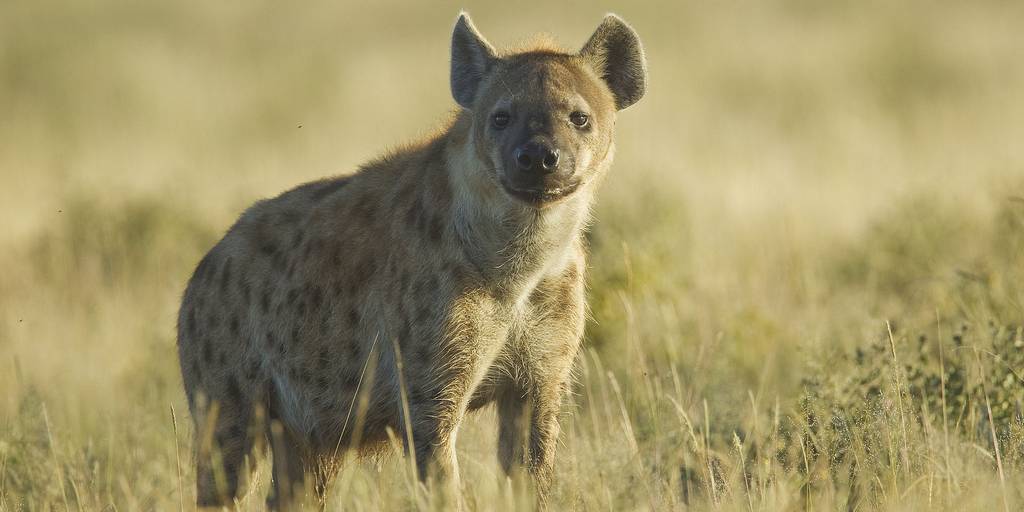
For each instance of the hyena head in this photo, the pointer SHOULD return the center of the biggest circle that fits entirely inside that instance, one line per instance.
(543, 119)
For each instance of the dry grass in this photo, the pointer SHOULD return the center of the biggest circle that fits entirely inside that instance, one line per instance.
(800, 176)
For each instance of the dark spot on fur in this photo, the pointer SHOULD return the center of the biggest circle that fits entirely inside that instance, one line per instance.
(364, 208)
(423, 313)
(233, 325)
(353, 317)
(190, 324)
(290, 217)
(225, 276)
(235, 431)
(204, 270)
(457, 273)
(404, 194)
(417, 395)
(324, 403)
(335, 258)
(567, 349)
(325, 322)
(251, 370)
(328, 188)
(403, 282)
(316, 297)
(362, 274)
(436, 228)
(313, 246)
(573, 272)
(298, 373)
(278, 262)
(423, 352)
(234, 392)
(265, 301)
(267, 248)
(566, 293)
(412, 214)
(420, 288)
(405, 335)
(443, 192)
(421, 222)
(246, 290)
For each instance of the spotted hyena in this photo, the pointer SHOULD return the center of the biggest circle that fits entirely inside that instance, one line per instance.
(437, 279)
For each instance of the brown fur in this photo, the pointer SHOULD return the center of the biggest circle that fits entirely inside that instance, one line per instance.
(290, 329)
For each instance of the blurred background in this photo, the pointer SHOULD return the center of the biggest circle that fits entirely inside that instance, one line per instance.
(798, 174)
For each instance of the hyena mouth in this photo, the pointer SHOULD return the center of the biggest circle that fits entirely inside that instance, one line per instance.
(541, 198)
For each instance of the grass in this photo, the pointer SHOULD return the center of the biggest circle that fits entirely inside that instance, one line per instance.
(807, 272)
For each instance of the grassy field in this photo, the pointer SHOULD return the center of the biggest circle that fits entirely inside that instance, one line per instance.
(807, 281)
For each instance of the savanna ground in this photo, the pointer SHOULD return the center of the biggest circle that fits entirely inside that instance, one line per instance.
(807, 280)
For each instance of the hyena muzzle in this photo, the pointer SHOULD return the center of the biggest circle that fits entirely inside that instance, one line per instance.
(438, 279)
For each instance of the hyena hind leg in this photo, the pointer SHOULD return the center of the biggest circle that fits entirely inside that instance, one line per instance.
(225, 438)
(513, 424)
(293, 465)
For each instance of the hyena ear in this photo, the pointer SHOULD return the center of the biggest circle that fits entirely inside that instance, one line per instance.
(615, 52)
(472, 58)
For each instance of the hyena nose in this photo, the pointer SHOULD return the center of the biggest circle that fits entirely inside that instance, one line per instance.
(537, 158)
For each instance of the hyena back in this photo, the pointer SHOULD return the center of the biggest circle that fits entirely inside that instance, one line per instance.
(441, 278)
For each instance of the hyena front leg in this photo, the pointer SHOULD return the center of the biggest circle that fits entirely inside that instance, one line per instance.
(546, 401)
(528, 432)
(433, 432)
(436, 409)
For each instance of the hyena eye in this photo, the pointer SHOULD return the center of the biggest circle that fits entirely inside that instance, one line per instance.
(579, 119)
(500, 119)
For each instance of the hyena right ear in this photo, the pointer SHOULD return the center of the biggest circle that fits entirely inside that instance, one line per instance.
(614, 50)
(472, 58)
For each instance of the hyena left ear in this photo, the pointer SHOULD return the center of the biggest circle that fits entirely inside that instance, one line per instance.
(615, 52)
(472, 58)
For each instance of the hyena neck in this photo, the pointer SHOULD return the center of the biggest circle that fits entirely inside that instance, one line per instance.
(511, 244)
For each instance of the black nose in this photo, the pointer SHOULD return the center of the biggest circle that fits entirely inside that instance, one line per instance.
(533, 157)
